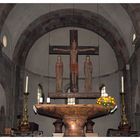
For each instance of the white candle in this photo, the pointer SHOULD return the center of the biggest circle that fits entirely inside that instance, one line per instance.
(26, 85)
(48, 100)
(122, 84)
(41, 100)
(73, 101)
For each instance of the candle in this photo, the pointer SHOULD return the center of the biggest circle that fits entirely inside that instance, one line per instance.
(48, 100)
(26, 85)
(122, 84)
(41, 100)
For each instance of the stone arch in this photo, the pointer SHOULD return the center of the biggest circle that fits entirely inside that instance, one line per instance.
(4, 11)
(59, 19)
(70, 18)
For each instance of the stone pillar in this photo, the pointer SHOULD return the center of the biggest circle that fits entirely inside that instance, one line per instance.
(0, 49)
(2, 119)
(135, 80)
(127, 92)
(136, 98)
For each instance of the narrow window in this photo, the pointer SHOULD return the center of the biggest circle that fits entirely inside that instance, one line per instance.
(134, 37)
(4, 40)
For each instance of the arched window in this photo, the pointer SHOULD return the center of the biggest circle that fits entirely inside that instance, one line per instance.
(133, 37)
(4, 40)
(103, 91)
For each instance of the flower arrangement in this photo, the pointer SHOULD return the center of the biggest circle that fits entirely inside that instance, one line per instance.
(106, 101)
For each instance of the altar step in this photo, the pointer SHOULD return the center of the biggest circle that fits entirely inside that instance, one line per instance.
(86, 134)
(91, 135)
(58, 134)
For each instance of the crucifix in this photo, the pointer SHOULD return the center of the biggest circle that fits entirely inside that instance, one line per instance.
(74, 50)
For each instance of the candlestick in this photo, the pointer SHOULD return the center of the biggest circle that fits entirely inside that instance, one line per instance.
(124, 124)
(122, 84)
(24, 125)
(26, 85)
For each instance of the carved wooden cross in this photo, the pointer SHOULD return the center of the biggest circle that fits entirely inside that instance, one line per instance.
(74, 50)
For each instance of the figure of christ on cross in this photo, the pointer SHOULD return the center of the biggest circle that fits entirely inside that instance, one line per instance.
(74, 50)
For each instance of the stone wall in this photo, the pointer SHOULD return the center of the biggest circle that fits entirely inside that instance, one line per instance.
(7, 82)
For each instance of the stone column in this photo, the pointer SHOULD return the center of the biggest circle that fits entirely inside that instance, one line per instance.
(136, 98)
(134, 81)
(127, 92)
(0, 49)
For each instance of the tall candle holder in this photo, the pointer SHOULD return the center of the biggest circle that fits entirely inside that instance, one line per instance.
(24, 126)
(124, 124)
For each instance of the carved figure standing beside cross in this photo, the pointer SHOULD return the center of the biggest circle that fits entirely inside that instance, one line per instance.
(73, 51)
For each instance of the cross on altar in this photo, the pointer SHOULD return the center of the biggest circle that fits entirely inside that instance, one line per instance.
(74, 50)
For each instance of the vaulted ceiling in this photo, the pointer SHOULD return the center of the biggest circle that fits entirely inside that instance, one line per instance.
(133, 11)
(83, 18)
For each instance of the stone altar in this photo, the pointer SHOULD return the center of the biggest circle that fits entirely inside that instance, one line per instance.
(73, 116)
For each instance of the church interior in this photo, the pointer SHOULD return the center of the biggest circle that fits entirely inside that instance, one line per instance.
(69, 70)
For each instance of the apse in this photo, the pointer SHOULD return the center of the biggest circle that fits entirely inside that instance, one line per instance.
(40, 67)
